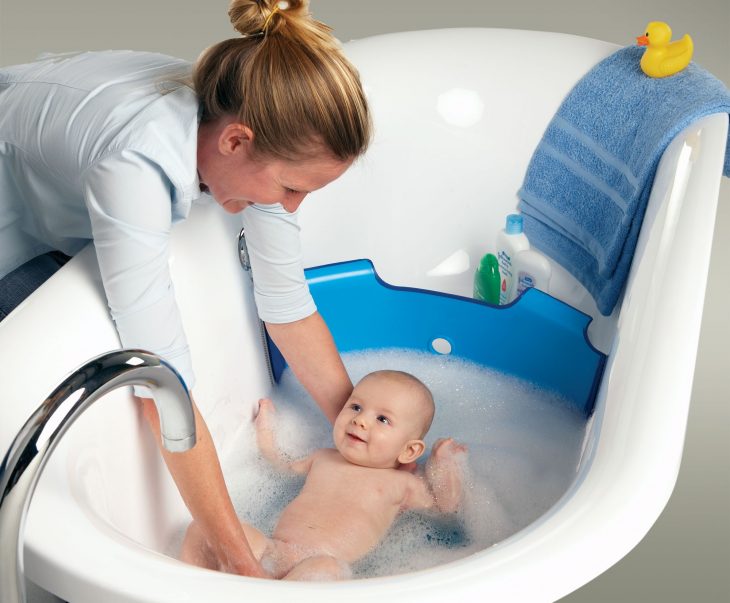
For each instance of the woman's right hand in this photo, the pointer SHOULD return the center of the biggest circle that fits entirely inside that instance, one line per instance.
(196, 550)
(248, 568)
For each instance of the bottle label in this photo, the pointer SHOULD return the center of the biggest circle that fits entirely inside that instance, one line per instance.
(505, 269)
(524, 281)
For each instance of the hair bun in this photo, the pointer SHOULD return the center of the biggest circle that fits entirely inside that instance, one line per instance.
(252, 17)
(287, 80)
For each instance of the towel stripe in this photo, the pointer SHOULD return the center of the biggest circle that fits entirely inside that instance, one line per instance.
(585, 175)
(542, 211)
(564, 125)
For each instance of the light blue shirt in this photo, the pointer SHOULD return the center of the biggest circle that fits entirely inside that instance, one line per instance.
(103, 146)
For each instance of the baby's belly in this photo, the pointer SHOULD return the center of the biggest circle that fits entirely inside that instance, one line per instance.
(347, 534)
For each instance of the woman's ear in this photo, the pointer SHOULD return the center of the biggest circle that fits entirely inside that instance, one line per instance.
(411, 451)
(234, 137)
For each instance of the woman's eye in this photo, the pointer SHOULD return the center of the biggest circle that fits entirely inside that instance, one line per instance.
(384, 420)
(290, 191)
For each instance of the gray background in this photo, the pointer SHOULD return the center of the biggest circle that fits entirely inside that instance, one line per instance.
(686, 555)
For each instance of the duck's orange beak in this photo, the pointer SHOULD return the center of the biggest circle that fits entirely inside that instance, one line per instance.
(642, 40)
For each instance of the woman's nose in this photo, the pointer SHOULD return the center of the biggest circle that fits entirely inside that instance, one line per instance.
(293, 201)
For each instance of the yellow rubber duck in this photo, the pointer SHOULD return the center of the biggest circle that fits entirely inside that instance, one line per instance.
(662, 57)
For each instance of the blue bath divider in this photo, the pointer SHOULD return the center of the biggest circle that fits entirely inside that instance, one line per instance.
(538, 338)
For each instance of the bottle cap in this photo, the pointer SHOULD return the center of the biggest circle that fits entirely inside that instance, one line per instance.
(514, 224)
(489, 264)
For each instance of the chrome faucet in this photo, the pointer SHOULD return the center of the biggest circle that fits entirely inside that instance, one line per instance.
(29, 452)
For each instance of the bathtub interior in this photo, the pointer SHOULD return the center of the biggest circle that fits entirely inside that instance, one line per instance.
(424, 204)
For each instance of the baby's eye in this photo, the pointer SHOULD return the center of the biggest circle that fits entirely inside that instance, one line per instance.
(356, 407)
(384, 420)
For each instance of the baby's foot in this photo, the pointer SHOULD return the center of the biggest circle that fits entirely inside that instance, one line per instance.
(265, 415)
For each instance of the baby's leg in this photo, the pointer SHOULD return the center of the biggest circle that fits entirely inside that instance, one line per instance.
(320, 568)
(197, 551)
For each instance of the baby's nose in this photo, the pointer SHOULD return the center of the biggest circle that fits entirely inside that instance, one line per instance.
(360, 421)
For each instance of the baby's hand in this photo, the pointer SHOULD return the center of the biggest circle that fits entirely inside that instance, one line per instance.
(446, 450)
(265, 416)
(266, 440)
(445, 473)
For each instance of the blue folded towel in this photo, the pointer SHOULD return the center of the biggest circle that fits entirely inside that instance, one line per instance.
(588, 182)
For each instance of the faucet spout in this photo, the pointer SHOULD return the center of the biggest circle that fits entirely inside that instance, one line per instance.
(27, 456)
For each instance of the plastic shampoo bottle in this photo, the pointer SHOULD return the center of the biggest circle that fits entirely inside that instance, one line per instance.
(510, 241)
(487, 280)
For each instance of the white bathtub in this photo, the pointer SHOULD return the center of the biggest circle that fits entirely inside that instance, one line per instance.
(458, 114)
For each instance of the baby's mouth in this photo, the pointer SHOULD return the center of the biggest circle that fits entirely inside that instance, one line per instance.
(355, 438)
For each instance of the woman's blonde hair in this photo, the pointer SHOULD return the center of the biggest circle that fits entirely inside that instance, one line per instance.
(287, 79)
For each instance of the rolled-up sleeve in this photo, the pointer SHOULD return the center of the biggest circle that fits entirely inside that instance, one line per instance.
(129, 204)
(274, 249)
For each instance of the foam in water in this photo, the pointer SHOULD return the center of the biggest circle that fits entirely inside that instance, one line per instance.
(524, 447)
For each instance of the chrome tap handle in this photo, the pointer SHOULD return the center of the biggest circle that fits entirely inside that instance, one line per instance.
(243, 256)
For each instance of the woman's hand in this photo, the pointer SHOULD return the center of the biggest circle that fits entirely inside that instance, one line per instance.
(196, 550)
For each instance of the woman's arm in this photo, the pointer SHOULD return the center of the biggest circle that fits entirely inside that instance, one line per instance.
(309, 349)
(129, 207)
(128, 200)
(286, 306)
(198, 476)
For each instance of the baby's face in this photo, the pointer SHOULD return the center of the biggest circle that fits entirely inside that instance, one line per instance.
(376, 424)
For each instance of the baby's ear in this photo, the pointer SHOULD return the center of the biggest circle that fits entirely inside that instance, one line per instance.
(411, 451)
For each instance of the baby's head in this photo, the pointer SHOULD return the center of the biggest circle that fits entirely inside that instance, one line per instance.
(384, 421)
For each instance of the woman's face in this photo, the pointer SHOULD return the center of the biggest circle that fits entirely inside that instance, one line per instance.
(228, 170)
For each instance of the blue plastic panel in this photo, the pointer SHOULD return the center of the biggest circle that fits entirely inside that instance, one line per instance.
(538, 338)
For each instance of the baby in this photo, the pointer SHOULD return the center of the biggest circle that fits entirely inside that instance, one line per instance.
(353, 493)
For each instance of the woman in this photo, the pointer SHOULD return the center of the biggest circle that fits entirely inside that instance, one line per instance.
(114, 147)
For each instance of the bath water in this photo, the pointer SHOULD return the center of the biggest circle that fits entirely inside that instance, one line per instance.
(524, 447)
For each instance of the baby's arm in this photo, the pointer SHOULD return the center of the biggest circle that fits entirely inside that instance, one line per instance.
(267, 442)
(440, 487)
